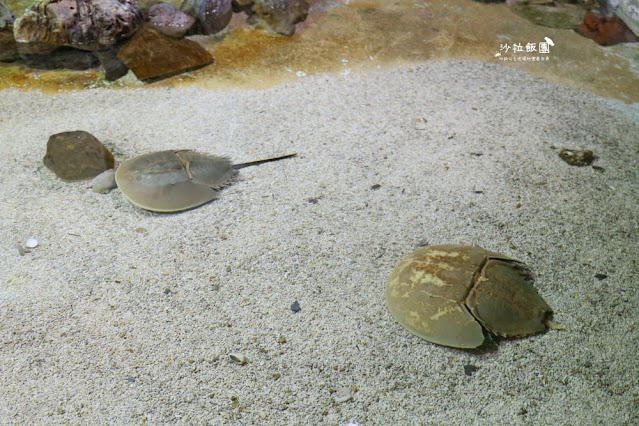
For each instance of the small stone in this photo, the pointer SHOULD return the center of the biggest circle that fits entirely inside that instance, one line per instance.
(235, 402)
(238, 358)
(469, 369)
(78, 155)
(31, 243)
(601, 276)
(342, 395)
(376, 186)
(165, 18)
(420, 123)
(295, 307)
(104, 182)
(577, 157)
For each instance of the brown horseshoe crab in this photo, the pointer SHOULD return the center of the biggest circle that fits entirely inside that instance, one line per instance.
(176, 180)
(446, 293)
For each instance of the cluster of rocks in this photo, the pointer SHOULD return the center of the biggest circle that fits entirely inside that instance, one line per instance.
(122, 35)
(607, 22)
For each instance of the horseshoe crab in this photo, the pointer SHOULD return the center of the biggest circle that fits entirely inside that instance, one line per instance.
(176, 180)
(446, 293)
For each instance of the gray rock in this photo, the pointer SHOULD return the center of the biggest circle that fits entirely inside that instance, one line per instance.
(212, 15)
(170, 21)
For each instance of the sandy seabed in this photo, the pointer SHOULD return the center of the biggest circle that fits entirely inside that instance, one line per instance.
(122, 316)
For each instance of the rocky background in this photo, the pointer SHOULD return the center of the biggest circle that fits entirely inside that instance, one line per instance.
(147, 37)
(152, 38)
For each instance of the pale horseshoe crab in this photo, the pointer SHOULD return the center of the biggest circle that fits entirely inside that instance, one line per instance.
(176, 180)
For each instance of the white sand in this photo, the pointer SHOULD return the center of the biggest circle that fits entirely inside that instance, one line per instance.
(88, 334)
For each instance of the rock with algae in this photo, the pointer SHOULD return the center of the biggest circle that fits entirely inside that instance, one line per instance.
(81, 24)
(279, 16)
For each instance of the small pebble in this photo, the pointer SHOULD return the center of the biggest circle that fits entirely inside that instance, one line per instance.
(577, 157)
(295, 307)
(104, 182)
(343, 395)
(31, 243)
(469, 369)
(239, 358)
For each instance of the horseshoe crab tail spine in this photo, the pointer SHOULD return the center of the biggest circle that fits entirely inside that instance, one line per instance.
(266, 160)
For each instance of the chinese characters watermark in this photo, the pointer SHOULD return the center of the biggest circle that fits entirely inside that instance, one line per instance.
(525, 51)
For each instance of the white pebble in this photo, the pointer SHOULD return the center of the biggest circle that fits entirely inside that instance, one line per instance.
(104, 182)
(31, 243)
(343, 395)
